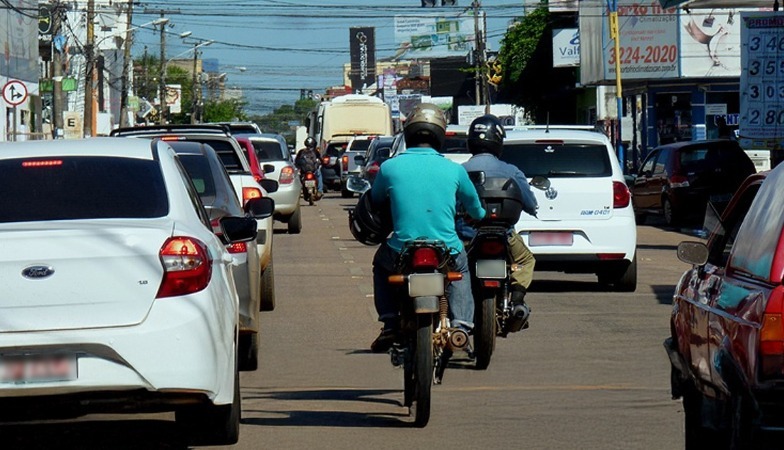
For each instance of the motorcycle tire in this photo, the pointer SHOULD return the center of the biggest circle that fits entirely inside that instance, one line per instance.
(419, 372)
(484, 332)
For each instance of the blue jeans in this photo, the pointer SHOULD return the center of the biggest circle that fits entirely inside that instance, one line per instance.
(461, 301)
(319, 182)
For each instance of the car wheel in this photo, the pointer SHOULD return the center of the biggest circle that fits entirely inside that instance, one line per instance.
(213, 424)
(621, 280)
(294, 223)
(671, 218)
(268, 289)
(249, 352)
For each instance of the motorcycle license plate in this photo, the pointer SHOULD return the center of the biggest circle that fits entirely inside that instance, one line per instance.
(491, 268)
(37, 368)
(425, 284)
(310, 183)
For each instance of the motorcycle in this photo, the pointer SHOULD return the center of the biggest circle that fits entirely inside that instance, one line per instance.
(490, 264)
(427, 339)
(309, 186)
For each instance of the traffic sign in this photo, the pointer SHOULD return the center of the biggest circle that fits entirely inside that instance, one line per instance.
(14, 92)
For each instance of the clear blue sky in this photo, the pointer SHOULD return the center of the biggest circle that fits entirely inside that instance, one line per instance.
(286, 45)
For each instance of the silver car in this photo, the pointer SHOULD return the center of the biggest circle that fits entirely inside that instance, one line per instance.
(272, 149)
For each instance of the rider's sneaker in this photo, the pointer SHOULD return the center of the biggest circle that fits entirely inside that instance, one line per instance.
(384, 341)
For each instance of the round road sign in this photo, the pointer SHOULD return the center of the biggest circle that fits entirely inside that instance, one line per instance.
(14, 92)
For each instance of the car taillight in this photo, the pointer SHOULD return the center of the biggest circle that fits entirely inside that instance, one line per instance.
(187, 267)
(424, 258)
(677, 181)
(286, 175)
(237, 247)
(249, 193)
(621, 195)
(344, 162)
(43, 163)
(492, 248)
(373, 168)
(771, 345)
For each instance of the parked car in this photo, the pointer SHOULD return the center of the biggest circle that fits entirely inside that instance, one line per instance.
(379, 151)
(245, 186)
(585, 220)
(271, 149)
(677, 180)
(726, 343)
(216, 192)
(357, 145)
(118, 296)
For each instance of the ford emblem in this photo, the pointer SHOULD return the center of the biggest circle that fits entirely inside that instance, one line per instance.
(37, 272)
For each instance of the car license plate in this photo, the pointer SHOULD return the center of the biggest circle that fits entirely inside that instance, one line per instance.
(491, 268)
(542, 238)
(425, 284)
(310, 183)
(37, 368)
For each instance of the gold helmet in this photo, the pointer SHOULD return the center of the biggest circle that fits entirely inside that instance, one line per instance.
(425, 124)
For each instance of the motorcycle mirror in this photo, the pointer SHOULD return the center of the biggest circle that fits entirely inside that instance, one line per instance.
(357, 184)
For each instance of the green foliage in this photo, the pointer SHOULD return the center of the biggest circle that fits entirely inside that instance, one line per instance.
(224, 111)
(285, 118)
(520, 43)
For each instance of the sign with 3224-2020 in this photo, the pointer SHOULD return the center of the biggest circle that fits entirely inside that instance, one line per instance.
(762, 82)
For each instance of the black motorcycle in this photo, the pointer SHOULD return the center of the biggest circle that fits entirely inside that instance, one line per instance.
(309, 186)
(427, 338)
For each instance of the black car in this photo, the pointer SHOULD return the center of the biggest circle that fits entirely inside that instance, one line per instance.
(677, 180)
(379, 151)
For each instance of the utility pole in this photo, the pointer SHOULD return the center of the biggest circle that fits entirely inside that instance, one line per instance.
(162, 78)
(195, 87)
(89, 93)
(479, 52)
(57, 75)
(127, 67)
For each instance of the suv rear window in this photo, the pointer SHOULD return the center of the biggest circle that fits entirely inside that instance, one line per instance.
(360, 145)
(268, 151)
(227, 153)
(559, 160)
(81, 187)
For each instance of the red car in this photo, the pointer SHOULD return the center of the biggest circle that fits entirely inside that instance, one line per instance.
(727, 327)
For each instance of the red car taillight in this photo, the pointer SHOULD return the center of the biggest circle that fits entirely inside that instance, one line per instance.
(344, 162)
(424, 258)
(249, 193)
(286, 175)
(677, 181)
(621, 195)
(771, 346)
(187, 267)
(373, 168)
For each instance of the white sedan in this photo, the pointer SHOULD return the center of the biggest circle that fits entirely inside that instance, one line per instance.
(116, 292)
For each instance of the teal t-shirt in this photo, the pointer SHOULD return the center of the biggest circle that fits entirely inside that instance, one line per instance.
(423, 187)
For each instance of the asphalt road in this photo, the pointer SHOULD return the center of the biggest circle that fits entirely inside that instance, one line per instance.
(589, 373)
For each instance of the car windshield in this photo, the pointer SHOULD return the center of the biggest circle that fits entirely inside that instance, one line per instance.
(268, 151)
(559, 160)
(81, 187)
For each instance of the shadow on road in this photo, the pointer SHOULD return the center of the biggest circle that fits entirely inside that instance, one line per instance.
(94, 435)
(663, 293)
(565, 286)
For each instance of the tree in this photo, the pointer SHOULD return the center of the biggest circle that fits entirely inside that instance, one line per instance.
(284, 118)
(230, 110)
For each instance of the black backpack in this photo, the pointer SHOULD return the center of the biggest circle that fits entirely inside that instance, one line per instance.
(308, 161)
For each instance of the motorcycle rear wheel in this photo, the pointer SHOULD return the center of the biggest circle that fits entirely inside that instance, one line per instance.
(484, 332)
(418, 373)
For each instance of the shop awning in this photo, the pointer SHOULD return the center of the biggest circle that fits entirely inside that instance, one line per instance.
(701, 4)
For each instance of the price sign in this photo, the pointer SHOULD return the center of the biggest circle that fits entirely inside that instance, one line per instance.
(762, 80)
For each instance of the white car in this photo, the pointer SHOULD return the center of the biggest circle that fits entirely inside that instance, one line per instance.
(116, 293)
(455, 147)
(585, 219)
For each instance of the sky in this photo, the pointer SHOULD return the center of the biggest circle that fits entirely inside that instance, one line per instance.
(273, 48)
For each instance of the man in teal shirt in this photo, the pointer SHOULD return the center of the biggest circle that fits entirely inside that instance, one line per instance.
(422, 188)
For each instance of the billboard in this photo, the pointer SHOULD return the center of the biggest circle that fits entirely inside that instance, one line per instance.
(433, 36)
(362, 44)
(566, 47)
(710, 43)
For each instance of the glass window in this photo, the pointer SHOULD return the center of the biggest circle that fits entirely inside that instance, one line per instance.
(559, 160)
(198, 168)
(455, 144)
(81, 187)
(647, 166)
(227, 153)
(268, 151)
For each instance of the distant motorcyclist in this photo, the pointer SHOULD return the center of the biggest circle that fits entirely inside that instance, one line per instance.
(308, 159)
(486, 143)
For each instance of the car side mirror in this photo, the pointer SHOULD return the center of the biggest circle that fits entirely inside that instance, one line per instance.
(695, 253)
(260, 207)
(269, 185)
(268, 168)
(239, 229)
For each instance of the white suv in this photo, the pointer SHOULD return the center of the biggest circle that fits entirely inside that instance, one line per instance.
(585, 220)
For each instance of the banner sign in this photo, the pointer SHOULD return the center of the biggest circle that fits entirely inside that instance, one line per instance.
(566, 47)
(362, 43)
(433, 36)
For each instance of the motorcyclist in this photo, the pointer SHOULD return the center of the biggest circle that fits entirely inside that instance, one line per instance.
(422, 188)
(308, 159)
(486, 143)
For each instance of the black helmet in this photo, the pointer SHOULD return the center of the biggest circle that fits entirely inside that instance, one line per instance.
(486, 135)
(369, 224)
(310, 142)
(425, 124)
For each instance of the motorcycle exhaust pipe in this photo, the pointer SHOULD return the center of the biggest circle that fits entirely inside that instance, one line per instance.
(458, 340)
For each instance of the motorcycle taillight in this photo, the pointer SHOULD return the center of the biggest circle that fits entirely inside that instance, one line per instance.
(492, 247)
(309, 176)
(424, 258)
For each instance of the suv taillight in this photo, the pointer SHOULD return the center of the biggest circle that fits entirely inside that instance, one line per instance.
(344, 161)
(771, 345)
(621, 195)
(187, 267)
(424, 258)
(677, 181)
(286, 175)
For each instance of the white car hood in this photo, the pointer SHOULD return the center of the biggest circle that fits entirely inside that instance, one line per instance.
(100, 274)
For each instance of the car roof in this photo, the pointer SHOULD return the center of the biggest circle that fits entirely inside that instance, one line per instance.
(703, 143)
(571, 135)
(98, 146)
(171, 129)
